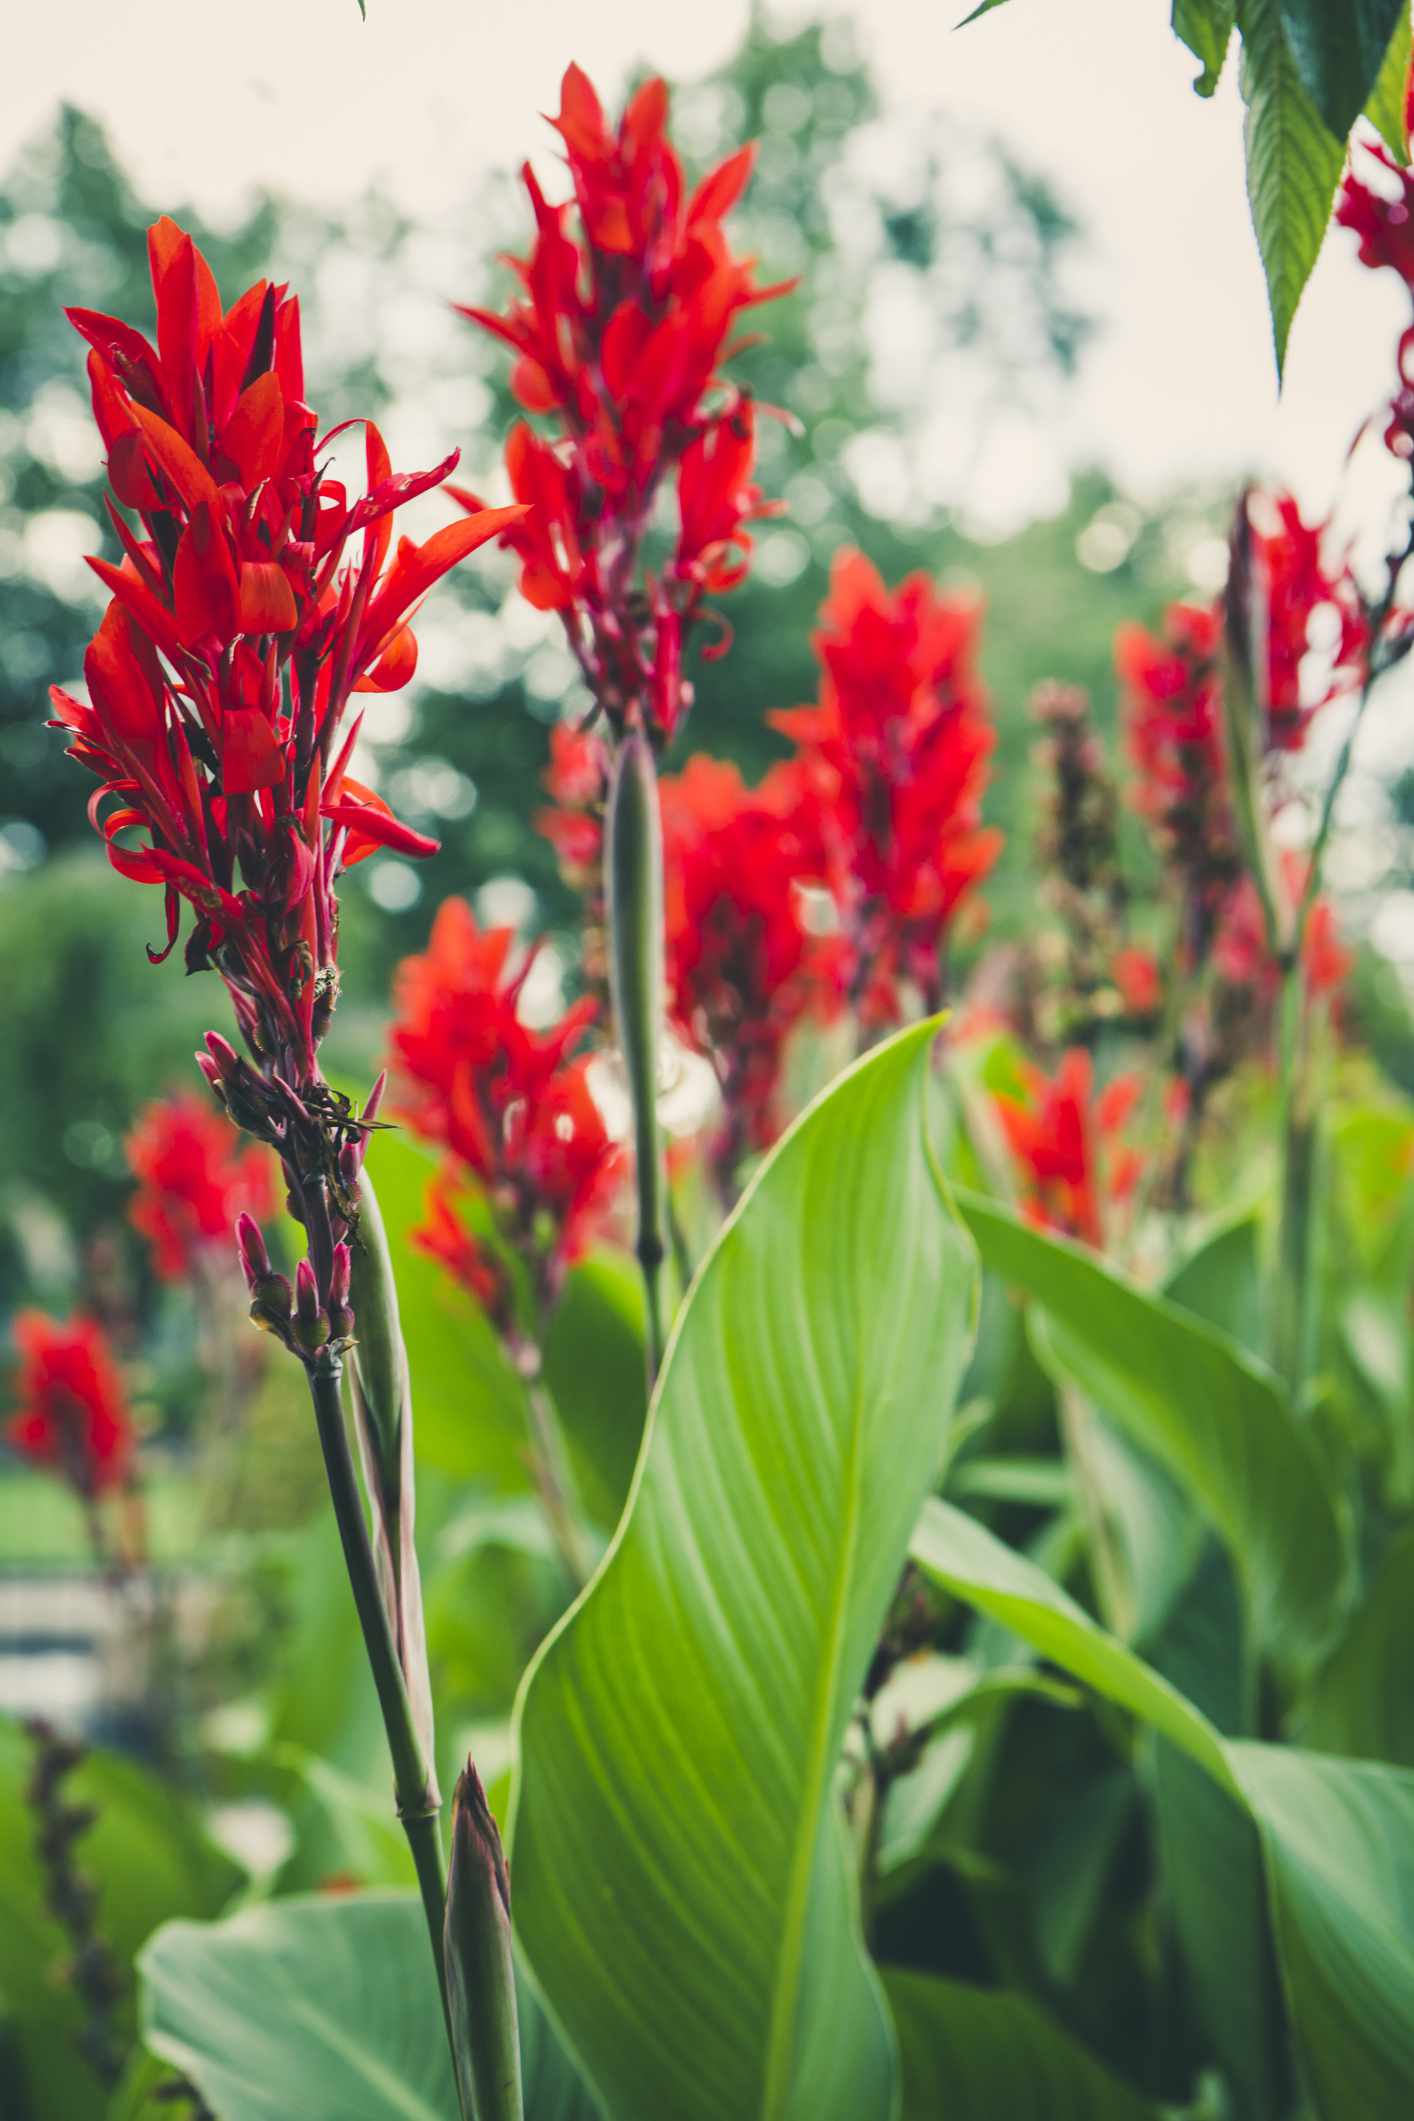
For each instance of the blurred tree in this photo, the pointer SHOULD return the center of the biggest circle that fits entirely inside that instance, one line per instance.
(931, 339)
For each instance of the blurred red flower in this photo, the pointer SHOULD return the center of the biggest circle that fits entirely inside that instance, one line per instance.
(194, 1179)
(509, 1104)
(744, 968)
(257, 598)
(893, 762)
(630, 307)
(1067, 1144)
(72, 1411)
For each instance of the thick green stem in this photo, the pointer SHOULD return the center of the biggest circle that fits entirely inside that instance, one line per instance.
(414, 1783)
(633, 878)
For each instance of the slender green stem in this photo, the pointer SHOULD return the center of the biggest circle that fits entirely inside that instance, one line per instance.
(633, 877)
(413, 1782)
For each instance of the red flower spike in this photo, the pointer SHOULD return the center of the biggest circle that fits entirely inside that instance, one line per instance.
(195, 1182)
(893, 762)
(253, 599)
(1067, 1148)
(72, 1411)
(744, 969)
(509, 1105)
(625, 322)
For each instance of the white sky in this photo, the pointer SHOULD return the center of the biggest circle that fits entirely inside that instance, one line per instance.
(206, 99)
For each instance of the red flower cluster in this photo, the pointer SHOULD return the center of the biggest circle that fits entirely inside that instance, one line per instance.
(254, 598)
(1382, 221)
(73, 1414)
(893, 764)
(509, 1105)
(573, 821)
(1067, 1145)
(193, 1182)
(630, 305)
(255, 601)
(1241, 953)
(743, 967)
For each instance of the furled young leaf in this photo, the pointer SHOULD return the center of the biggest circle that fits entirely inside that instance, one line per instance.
(1293, 163)
(1339, 47)
(974, 2054)
(326, 2008)
(681, 1886)
(1386, 107)
(1205, 26)
(1209, 1412)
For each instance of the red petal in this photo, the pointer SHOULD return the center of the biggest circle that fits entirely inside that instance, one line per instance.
(204, 584)
(176, 460)
(251, 754)
(394, 667)
(717, 194)
(253, 438)
(267, 601)
(153, 617)
(417, 567)
(371, 824)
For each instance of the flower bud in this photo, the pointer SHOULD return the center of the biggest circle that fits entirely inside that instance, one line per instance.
(270, 1305)
(481, 1989)
(350, 1163)
(374, 1098)
(250, 1244)
(311, 1324)
(341, 1318)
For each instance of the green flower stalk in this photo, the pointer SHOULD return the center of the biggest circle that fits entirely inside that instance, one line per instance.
(633, 881)
(481, 1989)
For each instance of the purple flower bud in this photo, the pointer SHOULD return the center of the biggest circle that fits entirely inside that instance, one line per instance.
(224, 1054)
(350, 1163)
(375, 1097)
(339, 1275)
(255, 1260)
(311, 1325)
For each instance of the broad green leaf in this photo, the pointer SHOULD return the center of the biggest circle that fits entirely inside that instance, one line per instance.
(149, 1859)
(326, 2008)
(1339, 47)
(1386, 107)
(1362, 1702)
(1339, 1837)
(1211, 1414)
(1210, 1865)
(975, 2054)
(1205, 26)
(595, 1372)
(1293, 163)
(682, 1890)
(1221, 1281)
(964, 1558)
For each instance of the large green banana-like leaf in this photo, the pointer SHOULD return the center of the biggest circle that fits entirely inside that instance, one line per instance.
(326, 2008)
(1337, 1835)
(680, 1883)
(974, 2054)
(1215, 1417)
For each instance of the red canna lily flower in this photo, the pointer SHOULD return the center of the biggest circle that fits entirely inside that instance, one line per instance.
(893, 762)
(744, 967)
(630, 304)
(72, 1411)
(1067, 1144)
(510, 1106)
(194, 1181)
(254, 597)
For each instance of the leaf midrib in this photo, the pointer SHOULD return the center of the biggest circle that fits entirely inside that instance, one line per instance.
(780, 2053)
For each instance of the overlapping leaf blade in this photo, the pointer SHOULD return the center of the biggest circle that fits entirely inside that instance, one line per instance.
(1337, 1835)
(1212, 1415)
(973, 2054)
(326, 2008)
(681, 1889)
(1293, 162)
